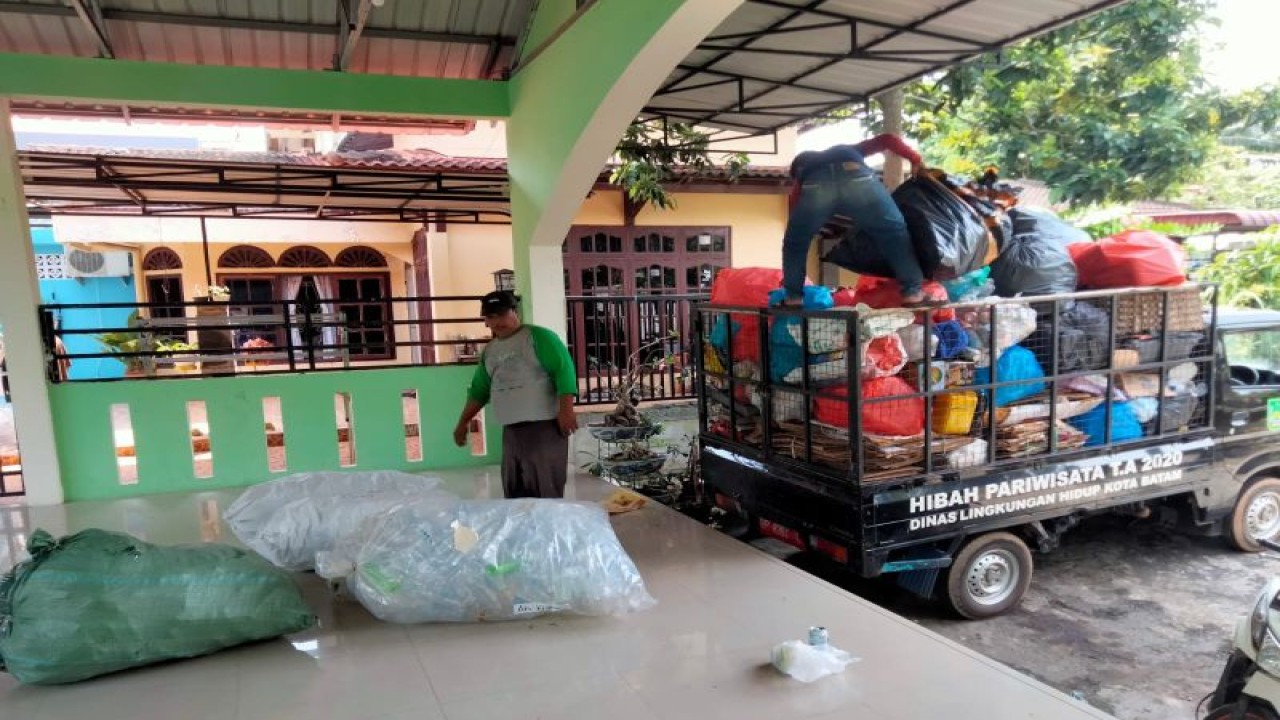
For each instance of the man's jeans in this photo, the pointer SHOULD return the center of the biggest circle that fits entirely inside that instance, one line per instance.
(856, 193)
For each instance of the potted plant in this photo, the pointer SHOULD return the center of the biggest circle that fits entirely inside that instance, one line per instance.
(215, 293)
(125, 341)
(183, 365)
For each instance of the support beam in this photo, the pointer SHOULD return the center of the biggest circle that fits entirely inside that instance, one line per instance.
(90, 14)
(234, 23)
(570, 104)
(130, 82)
(20, 323)
(352, 26)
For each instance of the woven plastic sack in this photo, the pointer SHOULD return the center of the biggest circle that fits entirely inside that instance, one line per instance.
(1015, 364)
(1133, 258)
(97, 602)
(883, 356)
(289, 520)
(1014, 323)
(478, 560)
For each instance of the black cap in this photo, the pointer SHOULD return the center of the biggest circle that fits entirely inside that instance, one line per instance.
(497, 302)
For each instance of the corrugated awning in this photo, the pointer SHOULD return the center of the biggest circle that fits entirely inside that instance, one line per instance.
(391, 185)
(268, 185)
(776, 62)
(770, 64)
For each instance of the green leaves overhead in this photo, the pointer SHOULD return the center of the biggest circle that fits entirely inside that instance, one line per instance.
(651, 156)
(1111, 108)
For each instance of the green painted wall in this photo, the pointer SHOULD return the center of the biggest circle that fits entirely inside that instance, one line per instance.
(548, 16)
(158, 411)
(167, 83)
(554, 99)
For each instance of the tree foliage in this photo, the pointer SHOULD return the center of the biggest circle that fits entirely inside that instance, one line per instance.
(652, 156)
(1111, 108)
(1230, 180)
(1249, 277)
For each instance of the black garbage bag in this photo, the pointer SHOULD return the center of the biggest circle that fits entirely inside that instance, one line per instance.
(1082, 337)
(1031, 265)
(1048, 226)
(949, 237)
(1083, 330)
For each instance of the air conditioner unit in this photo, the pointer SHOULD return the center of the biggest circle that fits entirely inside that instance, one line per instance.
(88, 263)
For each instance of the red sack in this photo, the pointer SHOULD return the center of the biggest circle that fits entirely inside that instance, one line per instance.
(1133, 258)
(745, 287)
(844, 297)
(899, 417)
(880, 293)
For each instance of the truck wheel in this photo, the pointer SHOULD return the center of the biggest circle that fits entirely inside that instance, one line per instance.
(989, 576)
(1256, 515)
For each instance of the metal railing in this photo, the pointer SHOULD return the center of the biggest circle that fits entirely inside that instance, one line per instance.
(200, 339)
(186, 339)
(651, 332)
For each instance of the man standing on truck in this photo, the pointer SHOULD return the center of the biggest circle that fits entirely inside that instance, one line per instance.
(837, 181)
(527, 374)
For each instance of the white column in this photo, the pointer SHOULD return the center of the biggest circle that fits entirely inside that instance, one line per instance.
(24, 352)
(894, 166)
(546, 285)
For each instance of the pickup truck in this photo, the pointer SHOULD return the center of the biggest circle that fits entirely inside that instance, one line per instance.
(945, 444)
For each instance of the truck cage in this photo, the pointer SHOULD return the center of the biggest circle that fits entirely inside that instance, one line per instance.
(783, 387)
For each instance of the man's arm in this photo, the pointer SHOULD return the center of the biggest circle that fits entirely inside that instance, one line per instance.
(554, 357)
(477, 398)
(892, 143)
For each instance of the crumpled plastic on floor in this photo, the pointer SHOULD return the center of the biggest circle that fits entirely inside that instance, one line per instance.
(808, 663)
(623, 501)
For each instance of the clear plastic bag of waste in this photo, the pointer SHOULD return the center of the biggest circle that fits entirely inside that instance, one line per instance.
(806, 662)
(480, 560)
(288, 521)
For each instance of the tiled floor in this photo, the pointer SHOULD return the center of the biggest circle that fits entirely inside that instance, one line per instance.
(701, 653)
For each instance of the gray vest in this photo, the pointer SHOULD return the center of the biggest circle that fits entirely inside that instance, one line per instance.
(520, 389)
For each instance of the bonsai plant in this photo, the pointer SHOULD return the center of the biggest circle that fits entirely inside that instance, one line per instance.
(624, 413)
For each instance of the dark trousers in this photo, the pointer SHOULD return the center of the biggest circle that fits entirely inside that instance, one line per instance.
(858, 194)
(535, 460)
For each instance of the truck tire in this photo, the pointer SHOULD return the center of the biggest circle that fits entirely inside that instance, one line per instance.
(1256, 515)
(989, 576)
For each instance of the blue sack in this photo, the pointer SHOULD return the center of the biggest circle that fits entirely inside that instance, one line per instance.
(1124, 424)
(1017, 363)
(965, 284)
(816, 297)
(951, 337)
(785, 353)
(720, 333)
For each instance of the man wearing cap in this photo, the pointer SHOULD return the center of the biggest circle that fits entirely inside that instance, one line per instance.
(526, 373)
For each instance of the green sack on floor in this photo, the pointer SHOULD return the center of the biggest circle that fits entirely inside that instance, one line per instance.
(96, 602)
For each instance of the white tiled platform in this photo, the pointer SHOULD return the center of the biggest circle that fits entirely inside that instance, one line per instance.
(702, 653)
